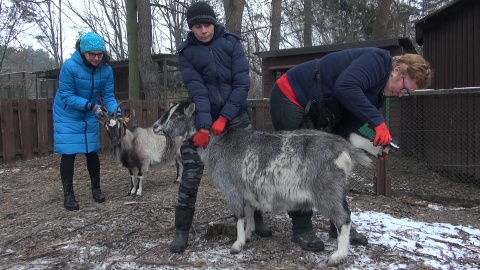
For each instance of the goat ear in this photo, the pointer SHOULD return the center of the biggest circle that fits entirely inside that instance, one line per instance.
(190, 110)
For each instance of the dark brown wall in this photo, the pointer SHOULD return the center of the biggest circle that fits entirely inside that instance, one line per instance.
(120, 80)
(451, 43)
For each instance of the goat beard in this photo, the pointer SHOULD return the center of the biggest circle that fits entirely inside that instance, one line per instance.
(117, 152)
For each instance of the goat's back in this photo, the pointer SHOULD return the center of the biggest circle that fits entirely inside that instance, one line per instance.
(283, 170)
(155, 147)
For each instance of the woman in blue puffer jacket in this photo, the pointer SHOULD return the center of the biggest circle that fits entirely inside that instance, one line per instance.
(83, 77)
(215, 72)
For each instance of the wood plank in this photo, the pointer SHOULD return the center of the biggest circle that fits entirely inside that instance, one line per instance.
(135, 114)
(50, 124)
(6, 113)
(42, 129)
(26, 130)
(152, 111)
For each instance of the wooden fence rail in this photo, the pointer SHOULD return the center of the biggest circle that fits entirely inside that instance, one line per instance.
(27, 125)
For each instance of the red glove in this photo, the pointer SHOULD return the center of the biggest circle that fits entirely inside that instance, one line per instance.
(201, 138)
(219, 125)
(382, 135)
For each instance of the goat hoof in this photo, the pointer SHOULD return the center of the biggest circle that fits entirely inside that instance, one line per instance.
(336, 258)
(236, 248)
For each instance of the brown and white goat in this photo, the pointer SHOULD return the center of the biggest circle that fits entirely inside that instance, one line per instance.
(138, 148)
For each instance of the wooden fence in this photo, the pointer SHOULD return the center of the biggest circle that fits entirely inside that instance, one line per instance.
(27, 125)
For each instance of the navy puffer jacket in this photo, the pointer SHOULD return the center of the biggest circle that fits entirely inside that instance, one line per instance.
(352, 84)
(216, 75)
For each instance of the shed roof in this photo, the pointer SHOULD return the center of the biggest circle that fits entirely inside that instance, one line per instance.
(120, 65)
(406, 43)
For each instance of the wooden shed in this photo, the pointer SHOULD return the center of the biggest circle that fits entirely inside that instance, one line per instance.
(451, 43)
(275, 63)
(120, 74)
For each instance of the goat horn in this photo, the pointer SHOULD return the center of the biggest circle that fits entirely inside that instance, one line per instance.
(116, 109)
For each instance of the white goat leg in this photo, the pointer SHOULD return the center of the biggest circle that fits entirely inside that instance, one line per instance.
(140, 184)
(343, 242)
(250, 227)
(238, 245)
(134, 186)
(179, 167)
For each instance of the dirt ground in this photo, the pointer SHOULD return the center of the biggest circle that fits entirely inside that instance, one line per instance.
(127, 232)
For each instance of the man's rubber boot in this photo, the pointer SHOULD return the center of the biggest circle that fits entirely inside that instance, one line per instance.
(180, 241)
(260, 228)
(303, 233)
(183, 222)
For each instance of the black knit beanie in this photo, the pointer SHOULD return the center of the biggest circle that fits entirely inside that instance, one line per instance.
(200, 12)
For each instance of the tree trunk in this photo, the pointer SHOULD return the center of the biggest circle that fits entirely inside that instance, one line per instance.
(233, 15)
(133, 75)
(276, 22)
(379, 28)
(147, 67)
(307, 27)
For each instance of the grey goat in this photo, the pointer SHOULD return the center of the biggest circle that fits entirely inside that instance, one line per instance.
(274, 172)
(138, 148)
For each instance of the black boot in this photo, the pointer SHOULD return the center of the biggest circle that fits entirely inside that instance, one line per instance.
(356, 238)
(183, 222)
(97, 194)
(69, 201)
(303, 233)
(260, 228)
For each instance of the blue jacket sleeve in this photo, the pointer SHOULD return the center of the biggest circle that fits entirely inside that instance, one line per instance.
(197, 92)
(240, 82)
(359, 87)
(107, 92)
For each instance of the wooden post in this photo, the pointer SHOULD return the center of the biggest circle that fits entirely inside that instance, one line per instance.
(25, 127)
(8, 134)
(382, 185)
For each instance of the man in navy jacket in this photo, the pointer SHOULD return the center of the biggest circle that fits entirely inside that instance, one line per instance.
(339, 93)
(215, 72)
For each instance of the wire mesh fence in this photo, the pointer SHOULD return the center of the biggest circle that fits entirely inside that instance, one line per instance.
(439, 157)
(439, 133)
(439, 136)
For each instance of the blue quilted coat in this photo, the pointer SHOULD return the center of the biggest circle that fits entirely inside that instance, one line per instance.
(76, 129)
(216, 75)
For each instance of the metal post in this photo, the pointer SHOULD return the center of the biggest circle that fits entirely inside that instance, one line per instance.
(382, 183)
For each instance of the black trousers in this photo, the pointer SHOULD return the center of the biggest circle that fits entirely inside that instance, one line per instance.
(67, 166)
(193, 166)
(285, 114)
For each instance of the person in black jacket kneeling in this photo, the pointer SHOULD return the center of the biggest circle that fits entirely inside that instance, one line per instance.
(339, 93)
